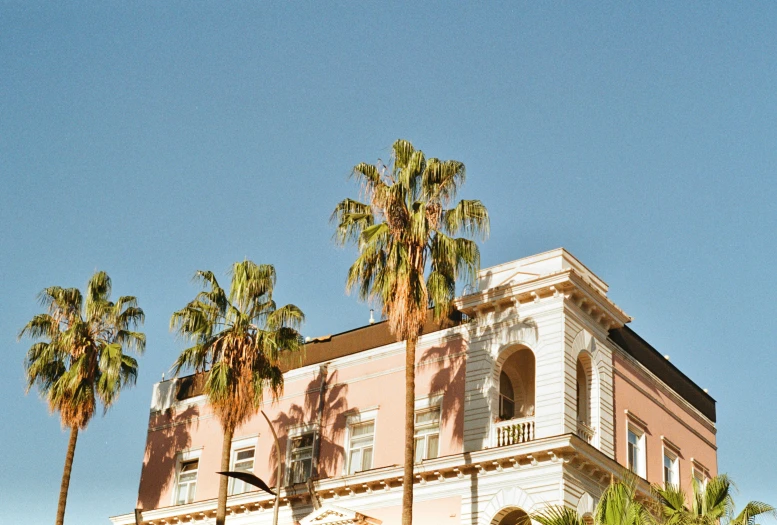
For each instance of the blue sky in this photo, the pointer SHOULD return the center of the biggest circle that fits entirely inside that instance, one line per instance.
(150, 140)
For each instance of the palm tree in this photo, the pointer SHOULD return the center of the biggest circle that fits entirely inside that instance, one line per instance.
(617, 506)
(409, 258)
(80, 360)
(710, 504)
(242, 339)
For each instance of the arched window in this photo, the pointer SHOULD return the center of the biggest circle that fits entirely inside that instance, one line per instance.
(583, 395)
(506, 397)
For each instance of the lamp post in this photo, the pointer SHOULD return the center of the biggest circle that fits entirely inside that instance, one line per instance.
(279, 474)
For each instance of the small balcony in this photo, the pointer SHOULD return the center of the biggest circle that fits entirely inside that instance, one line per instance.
(585, 432)
(513, 431)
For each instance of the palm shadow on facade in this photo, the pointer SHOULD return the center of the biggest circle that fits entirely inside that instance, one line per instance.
(304, 418)
(169, 433)
(449, 378)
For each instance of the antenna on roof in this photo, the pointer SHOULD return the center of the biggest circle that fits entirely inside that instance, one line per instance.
(372, 317)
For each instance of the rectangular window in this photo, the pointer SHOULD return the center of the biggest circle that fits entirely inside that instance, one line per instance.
(427, 434)
(360, 447)
(301, 458)
(187, 482)
(635, 453)
(700, 477)
(671, 469)
(242, 461)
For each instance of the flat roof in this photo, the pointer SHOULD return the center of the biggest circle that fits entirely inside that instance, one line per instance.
(326, 348)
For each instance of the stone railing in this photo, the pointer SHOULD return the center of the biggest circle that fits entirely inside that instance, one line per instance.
(514, 431)
(585, 432)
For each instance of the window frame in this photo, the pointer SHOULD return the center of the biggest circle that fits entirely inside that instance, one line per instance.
(360, 418)
(425, 432)
(294, 433)
(640, 469)
(184, 457)
(674, 460)
(700, 473)
(240, 445)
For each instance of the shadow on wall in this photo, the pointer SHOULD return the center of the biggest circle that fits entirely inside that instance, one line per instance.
(169, 436)
(332, 424)
(449, 378)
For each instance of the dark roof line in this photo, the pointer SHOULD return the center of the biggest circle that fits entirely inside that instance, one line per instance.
(634, 345)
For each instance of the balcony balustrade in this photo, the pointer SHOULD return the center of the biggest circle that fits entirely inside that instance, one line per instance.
(585, 432)
(514, 431)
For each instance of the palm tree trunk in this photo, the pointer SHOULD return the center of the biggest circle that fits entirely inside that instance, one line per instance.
(71, 451)
(226, 451)
(407, 476)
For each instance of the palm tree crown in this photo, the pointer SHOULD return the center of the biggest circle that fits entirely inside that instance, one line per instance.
(405, 231)
(710, 504)
(617, 506)
(243, 338)
(82, 361)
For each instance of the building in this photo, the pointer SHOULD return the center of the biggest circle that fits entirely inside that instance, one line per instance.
(536, 392)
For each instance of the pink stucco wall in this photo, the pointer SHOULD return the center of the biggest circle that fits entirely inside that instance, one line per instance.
(441, 511)
(664, 416)
(374, 383)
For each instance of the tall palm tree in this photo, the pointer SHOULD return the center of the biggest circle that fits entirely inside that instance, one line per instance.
(710, 504)
(409, 258)
(80, 360)
(242, 340)
(617, 506)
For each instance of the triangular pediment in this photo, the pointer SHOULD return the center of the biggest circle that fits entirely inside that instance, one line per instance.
(333, 515)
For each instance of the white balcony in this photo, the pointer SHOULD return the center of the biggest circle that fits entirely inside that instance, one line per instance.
(512, 431)
(585, 432)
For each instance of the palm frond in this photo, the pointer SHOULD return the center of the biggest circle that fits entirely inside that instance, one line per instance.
(752, 510)
(469, 217)
(442, 180)
(670, 502)
(558, 515)
(352, 218)
(287, 316)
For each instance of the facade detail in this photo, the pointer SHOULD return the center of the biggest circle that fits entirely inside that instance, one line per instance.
(534, 392)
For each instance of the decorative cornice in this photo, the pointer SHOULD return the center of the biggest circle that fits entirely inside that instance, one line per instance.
(556, 450)
(568, 284)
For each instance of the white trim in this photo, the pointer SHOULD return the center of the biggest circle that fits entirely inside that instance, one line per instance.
(639, 432)
(182, 457)
(302, 428)
(237, 446)
(360, 416)
(189, 454)
(635, 420)
(243, 442)
(428, 401)
(674, 457)
(671, 445)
